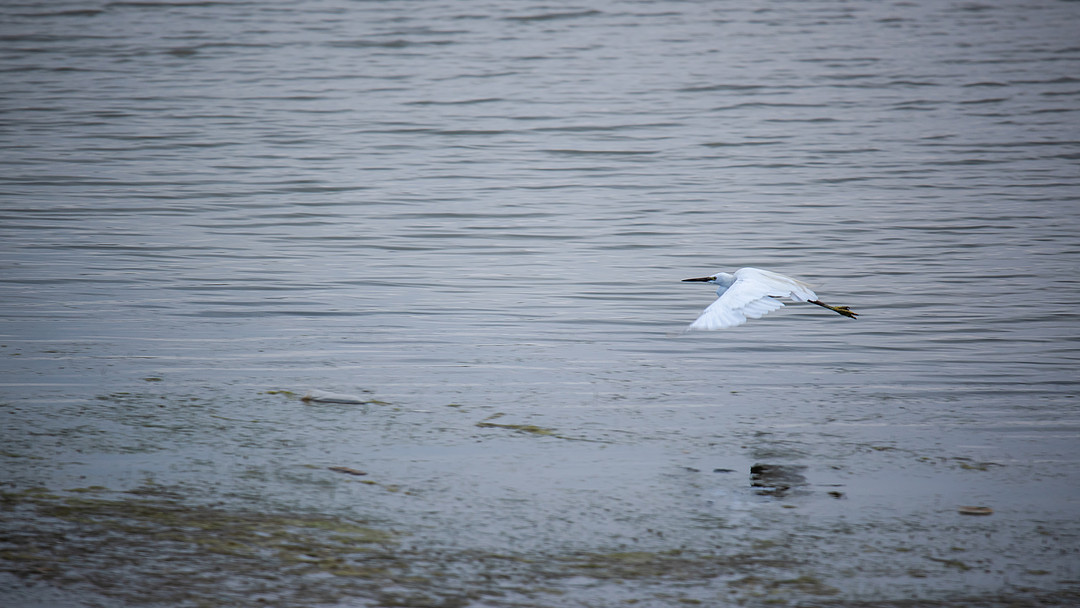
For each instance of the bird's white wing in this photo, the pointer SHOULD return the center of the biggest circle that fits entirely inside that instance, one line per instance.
(721, 315)
(749, 298)
(774, 284)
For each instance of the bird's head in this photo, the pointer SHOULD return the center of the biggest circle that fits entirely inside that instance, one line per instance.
(720, 278)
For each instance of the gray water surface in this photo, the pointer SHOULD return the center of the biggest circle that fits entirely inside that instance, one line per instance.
(474, 217)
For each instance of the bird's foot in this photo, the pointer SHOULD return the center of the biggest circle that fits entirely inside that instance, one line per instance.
(847, 312)
(840, 310)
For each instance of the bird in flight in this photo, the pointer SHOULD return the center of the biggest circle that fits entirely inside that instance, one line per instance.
(751, 293)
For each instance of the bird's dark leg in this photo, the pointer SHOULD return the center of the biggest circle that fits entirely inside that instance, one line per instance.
(840, 310)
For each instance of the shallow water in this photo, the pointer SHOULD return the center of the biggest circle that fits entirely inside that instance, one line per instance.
(475, 216)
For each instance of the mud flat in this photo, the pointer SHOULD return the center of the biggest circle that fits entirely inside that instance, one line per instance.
(527, 527)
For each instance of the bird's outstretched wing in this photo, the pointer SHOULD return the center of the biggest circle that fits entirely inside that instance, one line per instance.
(750, 297)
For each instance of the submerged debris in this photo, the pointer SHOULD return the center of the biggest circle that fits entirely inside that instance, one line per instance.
(524, 428)
(317, 396)
(348, 470)
(776, 479)
(974, 465)
(530, 429)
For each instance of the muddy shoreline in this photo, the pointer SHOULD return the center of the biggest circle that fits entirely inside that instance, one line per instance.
(149, 547)
(232, 498)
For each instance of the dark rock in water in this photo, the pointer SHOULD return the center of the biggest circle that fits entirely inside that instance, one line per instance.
(776, 479)
(783, 472)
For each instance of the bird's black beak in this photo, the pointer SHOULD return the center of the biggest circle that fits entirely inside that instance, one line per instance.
(699, 280)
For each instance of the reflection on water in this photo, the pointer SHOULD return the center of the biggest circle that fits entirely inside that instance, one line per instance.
(478, 215)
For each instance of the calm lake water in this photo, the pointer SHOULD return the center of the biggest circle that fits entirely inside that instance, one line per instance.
(474, 217)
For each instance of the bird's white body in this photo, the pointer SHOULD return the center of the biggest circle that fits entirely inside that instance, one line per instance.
(749, 293)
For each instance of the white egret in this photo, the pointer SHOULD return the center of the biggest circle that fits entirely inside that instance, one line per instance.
(752, 293)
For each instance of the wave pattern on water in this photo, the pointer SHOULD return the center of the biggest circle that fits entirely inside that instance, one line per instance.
(531, 159)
